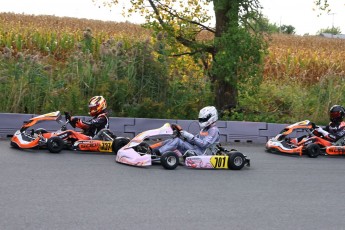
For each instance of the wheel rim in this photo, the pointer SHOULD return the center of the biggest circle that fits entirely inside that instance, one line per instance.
(171, 160)
(54, 145)
(238, 161)
(314, 151)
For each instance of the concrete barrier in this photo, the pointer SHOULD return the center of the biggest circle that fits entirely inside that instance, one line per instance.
(230, 131)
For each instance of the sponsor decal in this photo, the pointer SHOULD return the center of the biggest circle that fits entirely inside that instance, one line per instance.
(336, 150)
(194, 162)
(63, 135)
(88, 145)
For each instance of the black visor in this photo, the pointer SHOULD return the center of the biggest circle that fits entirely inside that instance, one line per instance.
(204, 119)
(335, 114)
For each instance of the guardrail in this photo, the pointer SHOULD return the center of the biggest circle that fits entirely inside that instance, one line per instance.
(230, 131)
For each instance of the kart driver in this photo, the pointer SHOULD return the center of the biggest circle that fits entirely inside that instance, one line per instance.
(209, 134)
(98, 111)
(336, 128)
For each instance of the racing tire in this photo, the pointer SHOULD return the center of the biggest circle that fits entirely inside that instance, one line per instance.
(14, 145)
(313, 150)
(169, 160)
(119, 143)
(142, 148)
(236, 160)
(55, 144)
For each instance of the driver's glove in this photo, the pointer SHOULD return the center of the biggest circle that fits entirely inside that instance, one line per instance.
(186, 135)
(68, 116)
(74, 121)
(176, 127)
(321, 131)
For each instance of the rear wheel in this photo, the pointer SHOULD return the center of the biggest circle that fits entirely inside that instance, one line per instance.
(55, 144)
(236, 160)
(169, 160)
(313, 150)
(119, 143)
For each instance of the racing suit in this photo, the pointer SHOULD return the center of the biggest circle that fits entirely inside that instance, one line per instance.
(198, 144)
(92, 126)
(333, 132)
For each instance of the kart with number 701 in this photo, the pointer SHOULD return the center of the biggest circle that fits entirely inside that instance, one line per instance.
(139, 153)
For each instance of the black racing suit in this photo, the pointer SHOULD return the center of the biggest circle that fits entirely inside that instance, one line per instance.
(335, 130)
(92, 126)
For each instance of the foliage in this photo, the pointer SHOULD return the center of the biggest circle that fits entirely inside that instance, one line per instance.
(183, 21)
(262, 24)
(322, 5)
(304, 59)
(283, 101)
(240, 59)
(330, 30)
(302, 76)
(287, 29)
(136, 76)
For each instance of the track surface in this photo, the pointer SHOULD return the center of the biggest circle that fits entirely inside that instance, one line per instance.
(74, 190)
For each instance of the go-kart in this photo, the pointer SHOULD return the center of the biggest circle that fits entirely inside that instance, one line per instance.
(63, 138)
(307, 144)
(139, 153)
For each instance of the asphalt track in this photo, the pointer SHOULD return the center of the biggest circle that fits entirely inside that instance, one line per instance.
(74, 190)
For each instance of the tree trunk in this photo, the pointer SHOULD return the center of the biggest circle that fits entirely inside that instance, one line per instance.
(226, 14)
(226, 95)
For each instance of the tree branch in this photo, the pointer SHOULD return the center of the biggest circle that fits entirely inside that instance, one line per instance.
(170, 11)
(155, 9)
(186, 42)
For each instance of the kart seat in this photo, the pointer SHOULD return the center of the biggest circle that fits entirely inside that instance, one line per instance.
(105, 135)
(212, 149)
(340, 142)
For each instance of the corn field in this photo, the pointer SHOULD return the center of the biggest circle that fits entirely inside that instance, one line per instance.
(49, 63)
(305, 59)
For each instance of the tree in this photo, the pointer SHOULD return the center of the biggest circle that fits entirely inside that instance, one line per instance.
(234, 56)
(330, 30)
(322, 5)
(261, 23)
(287, 29)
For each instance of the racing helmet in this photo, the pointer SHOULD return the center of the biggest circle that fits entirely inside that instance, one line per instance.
(336, 113)
(97, 105)
(207, 116)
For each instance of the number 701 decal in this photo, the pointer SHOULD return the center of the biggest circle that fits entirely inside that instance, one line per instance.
(220, 162)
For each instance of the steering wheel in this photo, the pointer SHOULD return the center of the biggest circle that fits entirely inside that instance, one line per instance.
(177, 129)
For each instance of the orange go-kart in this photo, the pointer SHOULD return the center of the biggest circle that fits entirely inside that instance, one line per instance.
(307, 144)
(63, 138)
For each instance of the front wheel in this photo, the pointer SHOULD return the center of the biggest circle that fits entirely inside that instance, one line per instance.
(55, 144)
(236, 160)
(169, 160)
(313, 150)
(14, 145)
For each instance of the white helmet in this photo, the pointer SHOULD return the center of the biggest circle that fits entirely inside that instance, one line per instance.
(207, 116)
